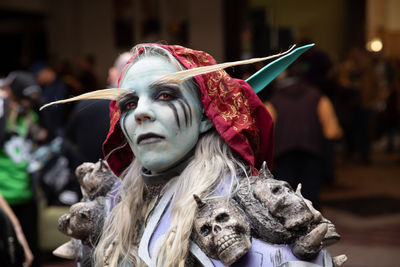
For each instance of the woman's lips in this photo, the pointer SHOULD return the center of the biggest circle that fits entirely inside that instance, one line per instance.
(148, 138)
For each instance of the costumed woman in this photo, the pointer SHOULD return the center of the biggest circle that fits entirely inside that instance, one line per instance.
(176, 131)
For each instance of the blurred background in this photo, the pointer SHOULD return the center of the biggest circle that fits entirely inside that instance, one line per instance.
(346, 90)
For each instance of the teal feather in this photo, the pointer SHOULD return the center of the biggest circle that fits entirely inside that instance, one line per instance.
(264, 76)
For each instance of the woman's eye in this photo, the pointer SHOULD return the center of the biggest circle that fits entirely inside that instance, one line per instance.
(164, 96)
(131, 105)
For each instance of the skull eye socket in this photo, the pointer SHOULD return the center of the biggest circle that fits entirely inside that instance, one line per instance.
(205, 230)
(223, 217)
(83, 215)
(276, 189)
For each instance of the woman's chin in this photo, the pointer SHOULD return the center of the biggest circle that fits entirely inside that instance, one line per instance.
(157, 167)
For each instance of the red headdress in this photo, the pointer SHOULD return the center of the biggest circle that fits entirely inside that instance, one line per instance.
(237, 113)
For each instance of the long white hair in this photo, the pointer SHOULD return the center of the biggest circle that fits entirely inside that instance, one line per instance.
(214, 161)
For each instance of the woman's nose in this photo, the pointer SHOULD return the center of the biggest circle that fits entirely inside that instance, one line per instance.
(143, 112)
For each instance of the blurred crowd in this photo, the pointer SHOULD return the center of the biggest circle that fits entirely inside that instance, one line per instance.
(39, 150)
(320, 108)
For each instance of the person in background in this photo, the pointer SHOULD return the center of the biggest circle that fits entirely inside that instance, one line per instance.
(86, 75)
(28, 256)
(19, 131)
(85, 131)
(361, 95)
(53, 88)
(115, 70)
(320, 73)
(303, 118)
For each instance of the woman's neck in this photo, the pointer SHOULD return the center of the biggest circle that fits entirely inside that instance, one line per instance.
(155, 182)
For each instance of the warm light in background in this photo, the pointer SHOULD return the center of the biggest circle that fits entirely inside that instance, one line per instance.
(375, 45)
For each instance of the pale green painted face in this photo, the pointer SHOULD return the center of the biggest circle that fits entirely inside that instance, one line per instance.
(162, 122)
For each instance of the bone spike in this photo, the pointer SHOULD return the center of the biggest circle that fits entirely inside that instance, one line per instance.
(308, 247)
(261, 172)
(102, 164)
(264, 172)
(316, 236)
(264, 165)
(67, 250)
(200, 203)
(298, 189)
(331, 236)
(339, 260)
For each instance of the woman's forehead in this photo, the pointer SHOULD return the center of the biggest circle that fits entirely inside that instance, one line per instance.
(147, 70)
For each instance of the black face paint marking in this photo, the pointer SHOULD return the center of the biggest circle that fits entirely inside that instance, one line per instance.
(123, 126)
(181, 103)
(190, 110)
(175, 95)
(122, 105)
(172, 106)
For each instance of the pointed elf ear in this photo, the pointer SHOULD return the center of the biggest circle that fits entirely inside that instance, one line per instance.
(264, 76)
(110, 94)
(180, 76)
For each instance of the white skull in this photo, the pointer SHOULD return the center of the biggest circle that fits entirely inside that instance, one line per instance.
(221, 230)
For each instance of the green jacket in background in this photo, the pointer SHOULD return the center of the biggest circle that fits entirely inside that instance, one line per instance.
(15, 182)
